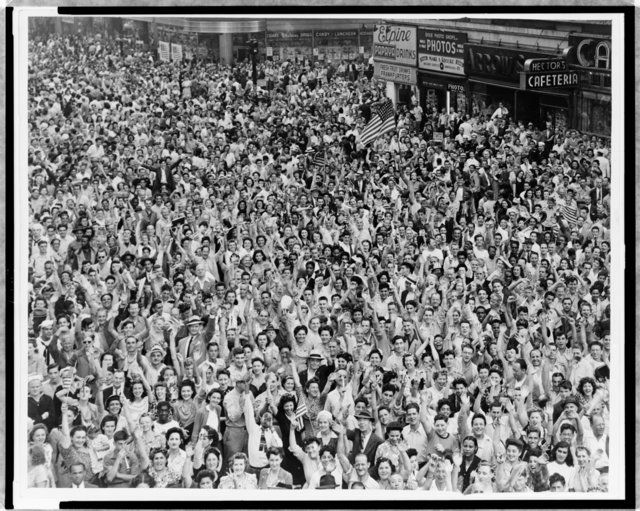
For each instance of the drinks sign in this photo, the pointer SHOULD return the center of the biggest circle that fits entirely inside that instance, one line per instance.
(393, 73)
(395, 44)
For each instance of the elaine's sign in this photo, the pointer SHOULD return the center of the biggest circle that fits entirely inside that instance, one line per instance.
(441, 51)
(551, 80)
(395, 44)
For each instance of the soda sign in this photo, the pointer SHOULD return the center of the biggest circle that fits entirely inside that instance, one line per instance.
(395, 44)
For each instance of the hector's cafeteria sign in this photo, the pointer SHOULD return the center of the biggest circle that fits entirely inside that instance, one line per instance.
(441, 51)
(551, 80)
(395, 44)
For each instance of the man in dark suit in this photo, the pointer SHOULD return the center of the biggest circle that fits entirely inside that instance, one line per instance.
(40, 406)
(364, 439)
(118, 388)
(597, 194)
(77, 475)
(314, 370)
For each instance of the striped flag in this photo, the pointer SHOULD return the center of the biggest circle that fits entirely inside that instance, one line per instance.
(301, 411)
(319, 159)
(382, 120)
(570, 214)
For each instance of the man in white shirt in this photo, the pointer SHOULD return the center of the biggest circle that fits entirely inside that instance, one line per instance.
(413, 433)
(500, 112)
(261, 437)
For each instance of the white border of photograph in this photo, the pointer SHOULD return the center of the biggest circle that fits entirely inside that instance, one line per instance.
(35, 498)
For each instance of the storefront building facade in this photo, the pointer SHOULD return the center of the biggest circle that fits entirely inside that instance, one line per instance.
(494, 74)
(477, 65)
(590, 57)
(441, 70)
(395, 60)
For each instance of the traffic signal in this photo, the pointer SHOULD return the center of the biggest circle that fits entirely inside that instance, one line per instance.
(253, 46)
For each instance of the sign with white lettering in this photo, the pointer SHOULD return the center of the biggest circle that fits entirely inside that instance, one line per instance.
(395, 44)
(544, 65)
(393, 73)
(551, 80)
(163, 51)
(589, 52)
(441, 51)
(176, 52)
(452, 84)
(498, 63)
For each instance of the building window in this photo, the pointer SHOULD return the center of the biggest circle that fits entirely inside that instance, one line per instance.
(602, 55)
(594, 113)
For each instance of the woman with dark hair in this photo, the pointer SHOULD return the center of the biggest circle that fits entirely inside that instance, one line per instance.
(207, 438)
(209, 413)
(237, 476)
(588, 392)
(469, 462)
(288, 423)
(384, 469)
(185, 408)
(176, 456)
(561, 461)
(209, 461)
(156, 466)
(39, 435)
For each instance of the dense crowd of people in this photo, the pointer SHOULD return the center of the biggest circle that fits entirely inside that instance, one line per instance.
(228, 290)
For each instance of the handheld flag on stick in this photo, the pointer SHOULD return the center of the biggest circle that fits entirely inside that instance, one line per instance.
(319, 159)
(301, 411)
(382, 121)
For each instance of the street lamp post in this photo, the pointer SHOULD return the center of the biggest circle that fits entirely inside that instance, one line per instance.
(253, 51)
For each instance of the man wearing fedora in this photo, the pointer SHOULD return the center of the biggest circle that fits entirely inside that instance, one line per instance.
(364, 439)
(194, 341)
(315, 370)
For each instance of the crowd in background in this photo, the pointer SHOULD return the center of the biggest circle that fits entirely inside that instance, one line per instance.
(228, 290)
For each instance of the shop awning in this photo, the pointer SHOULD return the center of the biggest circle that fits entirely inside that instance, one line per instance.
(516, 86)
(495, 83)
(444, 81)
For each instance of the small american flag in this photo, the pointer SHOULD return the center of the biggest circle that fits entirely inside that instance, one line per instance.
(301, 411)
(319, 159)
(570, 214)
(382, 120)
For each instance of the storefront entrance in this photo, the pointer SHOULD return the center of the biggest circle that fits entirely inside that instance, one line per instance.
(433, 92)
